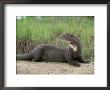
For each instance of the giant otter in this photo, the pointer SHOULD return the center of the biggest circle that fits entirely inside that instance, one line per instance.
(50, 53)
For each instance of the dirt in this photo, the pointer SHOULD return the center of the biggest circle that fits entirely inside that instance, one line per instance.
(29, 67)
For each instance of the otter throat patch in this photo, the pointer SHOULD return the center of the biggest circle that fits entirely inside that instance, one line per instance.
(73, 46)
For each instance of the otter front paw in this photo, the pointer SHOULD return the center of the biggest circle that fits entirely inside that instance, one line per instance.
(76, 64)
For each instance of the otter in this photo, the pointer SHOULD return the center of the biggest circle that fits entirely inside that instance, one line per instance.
(50, 53)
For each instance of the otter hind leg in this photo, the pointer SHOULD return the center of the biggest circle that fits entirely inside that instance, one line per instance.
(37, 58)
(38, 53)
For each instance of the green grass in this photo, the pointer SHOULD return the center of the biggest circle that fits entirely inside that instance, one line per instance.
(47, 29)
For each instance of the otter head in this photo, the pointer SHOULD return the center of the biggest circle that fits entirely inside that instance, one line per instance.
(72, 40)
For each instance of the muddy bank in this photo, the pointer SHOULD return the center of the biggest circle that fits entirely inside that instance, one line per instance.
(29, 67)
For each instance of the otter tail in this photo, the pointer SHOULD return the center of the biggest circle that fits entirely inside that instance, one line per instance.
(24, 57)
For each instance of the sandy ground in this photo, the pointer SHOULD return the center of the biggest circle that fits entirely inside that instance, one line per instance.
(29, 67)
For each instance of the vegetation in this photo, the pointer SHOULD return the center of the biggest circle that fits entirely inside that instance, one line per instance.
(34, 30)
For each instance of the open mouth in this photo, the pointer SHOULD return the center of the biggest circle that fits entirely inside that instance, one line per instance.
(68, 40)
(73, 46)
